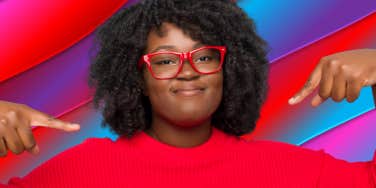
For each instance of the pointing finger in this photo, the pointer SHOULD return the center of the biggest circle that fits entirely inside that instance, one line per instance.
(312, 82)
(41, 119)
(51, 122)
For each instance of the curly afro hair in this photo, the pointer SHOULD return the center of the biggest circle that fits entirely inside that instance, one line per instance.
(121, 42)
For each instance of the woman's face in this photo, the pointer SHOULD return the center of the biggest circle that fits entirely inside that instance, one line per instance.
(190, 98)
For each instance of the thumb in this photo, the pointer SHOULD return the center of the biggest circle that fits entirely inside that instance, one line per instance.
(317, 100)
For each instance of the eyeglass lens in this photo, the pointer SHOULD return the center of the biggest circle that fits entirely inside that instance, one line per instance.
(165, 65)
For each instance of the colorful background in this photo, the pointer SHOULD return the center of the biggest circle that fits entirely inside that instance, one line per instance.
(45, 50)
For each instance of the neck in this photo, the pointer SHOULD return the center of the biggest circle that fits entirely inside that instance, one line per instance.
(179, 136)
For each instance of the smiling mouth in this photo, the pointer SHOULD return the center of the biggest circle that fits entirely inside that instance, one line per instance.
(189, 92)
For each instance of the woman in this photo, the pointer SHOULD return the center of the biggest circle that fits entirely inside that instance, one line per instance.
(179, 81)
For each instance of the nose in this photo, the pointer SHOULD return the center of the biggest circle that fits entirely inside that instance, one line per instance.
(187, 72)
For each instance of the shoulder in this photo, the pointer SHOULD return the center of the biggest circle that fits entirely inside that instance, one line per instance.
(276, 146)
(275, 151)
(85, 158)
(88, 145)
(83, 151)
(276, 159)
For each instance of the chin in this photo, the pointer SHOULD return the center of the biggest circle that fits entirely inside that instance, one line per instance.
(190, 122)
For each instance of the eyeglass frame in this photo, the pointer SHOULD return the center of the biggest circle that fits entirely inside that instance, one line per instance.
(183, 56)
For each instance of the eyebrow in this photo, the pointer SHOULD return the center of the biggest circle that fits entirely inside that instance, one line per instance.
(171, 47)
(163, 47)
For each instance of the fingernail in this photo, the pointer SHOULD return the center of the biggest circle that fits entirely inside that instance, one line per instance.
(74, 125)
(292, 100)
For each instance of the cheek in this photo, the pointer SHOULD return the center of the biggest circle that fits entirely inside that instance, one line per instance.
(156, 90)
(217, 91)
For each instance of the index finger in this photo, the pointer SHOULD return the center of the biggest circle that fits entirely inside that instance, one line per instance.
(310, 85)
(41, 119)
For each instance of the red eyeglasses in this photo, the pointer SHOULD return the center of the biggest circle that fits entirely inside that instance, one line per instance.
(167, 65)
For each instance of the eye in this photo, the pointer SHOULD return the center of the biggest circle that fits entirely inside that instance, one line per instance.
(204, 58)
(165, 62)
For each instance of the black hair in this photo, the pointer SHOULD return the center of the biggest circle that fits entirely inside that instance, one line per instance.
(121, 42)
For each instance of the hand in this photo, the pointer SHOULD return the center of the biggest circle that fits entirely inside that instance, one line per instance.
(15, 127)
(341, 75)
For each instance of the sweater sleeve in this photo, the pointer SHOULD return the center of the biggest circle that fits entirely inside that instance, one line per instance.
(340, 173)
(64, 170)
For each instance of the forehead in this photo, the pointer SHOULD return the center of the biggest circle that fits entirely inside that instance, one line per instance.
(170, 35)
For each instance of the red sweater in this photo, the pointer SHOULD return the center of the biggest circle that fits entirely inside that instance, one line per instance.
(222, 161)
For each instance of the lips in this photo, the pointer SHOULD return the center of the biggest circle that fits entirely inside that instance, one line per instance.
(188, 90)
